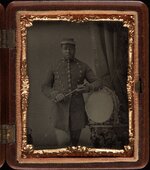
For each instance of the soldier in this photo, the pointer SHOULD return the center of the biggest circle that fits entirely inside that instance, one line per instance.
(67, 77)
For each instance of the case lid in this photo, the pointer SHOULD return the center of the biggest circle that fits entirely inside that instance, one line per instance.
(2, 118)
(7, 75)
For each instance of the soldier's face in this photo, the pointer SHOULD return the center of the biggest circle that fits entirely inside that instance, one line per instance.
(68, 51)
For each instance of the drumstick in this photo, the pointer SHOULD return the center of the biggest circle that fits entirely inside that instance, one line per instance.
(69, 93)
(73, 90)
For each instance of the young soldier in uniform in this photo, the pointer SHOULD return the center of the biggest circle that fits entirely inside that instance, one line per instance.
(67, 77)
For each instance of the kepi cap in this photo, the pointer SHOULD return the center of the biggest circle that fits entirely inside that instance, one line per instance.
(68, 41)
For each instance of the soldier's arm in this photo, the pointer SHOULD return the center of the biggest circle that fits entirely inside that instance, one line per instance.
(47, 86)
(94, 82)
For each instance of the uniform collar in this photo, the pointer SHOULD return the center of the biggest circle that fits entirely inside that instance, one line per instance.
(65, 60)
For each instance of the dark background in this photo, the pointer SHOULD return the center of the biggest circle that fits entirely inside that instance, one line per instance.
(5, 4)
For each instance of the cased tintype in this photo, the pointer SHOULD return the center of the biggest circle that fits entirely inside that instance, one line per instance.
(102, 119)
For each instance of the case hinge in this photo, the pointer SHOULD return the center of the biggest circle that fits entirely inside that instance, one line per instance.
(7, 134)
(7, 39)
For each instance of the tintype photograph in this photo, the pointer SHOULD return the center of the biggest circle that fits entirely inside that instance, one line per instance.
(78, 84)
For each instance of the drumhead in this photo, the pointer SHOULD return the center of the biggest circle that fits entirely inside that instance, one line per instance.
(99, 105)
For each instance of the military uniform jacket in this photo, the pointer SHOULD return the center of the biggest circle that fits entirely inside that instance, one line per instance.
(64, 77)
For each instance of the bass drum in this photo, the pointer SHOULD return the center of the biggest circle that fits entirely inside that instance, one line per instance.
(100, 105)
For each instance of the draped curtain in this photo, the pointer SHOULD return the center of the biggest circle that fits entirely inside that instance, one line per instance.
(110, 50)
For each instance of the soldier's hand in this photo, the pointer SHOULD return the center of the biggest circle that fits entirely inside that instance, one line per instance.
(83, 88)
(59, 97)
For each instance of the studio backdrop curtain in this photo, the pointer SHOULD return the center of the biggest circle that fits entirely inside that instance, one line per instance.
(110, 50)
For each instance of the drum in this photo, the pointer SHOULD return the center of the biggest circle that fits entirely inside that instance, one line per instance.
(100, 105)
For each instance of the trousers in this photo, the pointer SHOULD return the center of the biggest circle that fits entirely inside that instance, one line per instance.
(74, 133)
(74, 137)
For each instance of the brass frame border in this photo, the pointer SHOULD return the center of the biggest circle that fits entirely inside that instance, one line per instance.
(26, 153)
